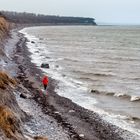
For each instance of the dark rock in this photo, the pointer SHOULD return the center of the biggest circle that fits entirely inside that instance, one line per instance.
(45, 65)
(32, 42)
(47, 57)
(94, 91)
(23, 96)
(57, 66)
(36, 51)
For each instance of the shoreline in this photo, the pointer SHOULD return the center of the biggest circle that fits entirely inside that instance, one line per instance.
(80, 124)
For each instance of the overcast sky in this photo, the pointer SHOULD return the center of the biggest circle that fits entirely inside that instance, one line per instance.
(105, 11)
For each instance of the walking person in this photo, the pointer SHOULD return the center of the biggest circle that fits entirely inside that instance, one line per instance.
(45, 82)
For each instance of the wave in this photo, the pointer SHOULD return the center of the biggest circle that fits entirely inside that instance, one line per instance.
(102, 74)
(135, 98)
(98, 74)
(86, 79)
(70, 59)
(137, 78)
(81, 72)
(131, 98)
(86, 75)
(132, 119)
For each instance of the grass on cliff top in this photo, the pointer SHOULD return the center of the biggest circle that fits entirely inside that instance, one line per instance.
(5, 80)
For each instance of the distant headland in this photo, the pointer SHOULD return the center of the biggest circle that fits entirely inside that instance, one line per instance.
(32, 18)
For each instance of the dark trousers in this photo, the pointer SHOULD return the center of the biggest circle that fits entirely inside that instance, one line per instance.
(45, 87)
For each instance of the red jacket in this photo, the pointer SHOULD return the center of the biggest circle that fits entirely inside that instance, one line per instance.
(45, 80)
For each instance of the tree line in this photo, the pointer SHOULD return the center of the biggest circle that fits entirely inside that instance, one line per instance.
(24, 17)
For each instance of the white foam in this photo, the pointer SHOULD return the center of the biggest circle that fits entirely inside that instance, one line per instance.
(76, 96)
(135, 98)
(119, 94)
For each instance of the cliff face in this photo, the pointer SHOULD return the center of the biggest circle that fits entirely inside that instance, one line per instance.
(4, 27)
(12, 117)
(10, 113)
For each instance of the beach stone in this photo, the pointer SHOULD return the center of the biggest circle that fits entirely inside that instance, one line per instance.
(32, 42)
(71, 111)
(81, 135)
(94, 91)
(56, 112)
(40, 138)
(45, 65)
(22, 95)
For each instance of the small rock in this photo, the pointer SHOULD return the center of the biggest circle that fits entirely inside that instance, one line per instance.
(56, 112)
(30, 97)
(45, 65)
(82, 135)
(94, 91)
(32, 42)
(23, 96)
(40, 138)
(71, 111)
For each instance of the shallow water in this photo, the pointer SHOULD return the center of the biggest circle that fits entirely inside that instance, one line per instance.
(104, 58)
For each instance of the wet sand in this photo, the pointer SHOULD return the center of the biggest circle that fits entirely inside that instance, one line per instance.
(77, 122)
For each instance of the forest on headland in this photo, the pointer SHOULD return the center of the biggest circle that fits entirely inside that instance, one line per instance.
(28, 18)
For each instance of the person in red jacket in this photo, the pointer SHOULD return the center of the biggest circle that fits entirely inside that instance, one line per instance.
(45, 82)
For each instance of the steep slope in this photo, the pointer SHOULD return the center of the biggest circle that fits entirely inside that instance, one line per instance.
(10, 113)
(4, 27)
(12, 117)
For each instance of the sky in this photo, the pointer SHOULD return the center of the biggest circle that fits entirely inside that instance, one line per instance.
(104, 11)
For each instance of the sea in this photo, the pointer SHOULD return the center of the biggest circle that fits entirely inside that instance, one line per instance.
(97, 67)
